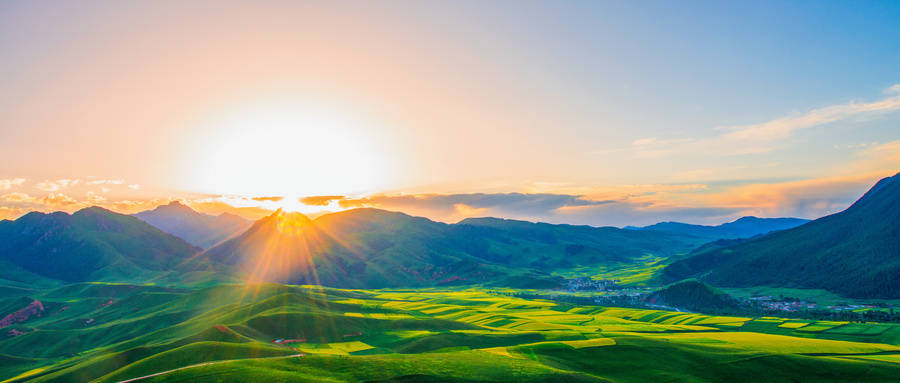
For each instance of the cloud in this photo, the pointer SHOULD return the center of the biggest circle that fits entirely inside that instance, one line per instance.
(17, 197)
(610, 206)
(783, 127)
(760, 138)
(647, 204)
(134, 186)
(95, 199)
(267, 199)
(451, 207)
(57, 200)
(11, 212)
(105, 182)
(52, 186)
(218, 206)
(321, 200)
(876, 157)
(7, 184)
(810, 198)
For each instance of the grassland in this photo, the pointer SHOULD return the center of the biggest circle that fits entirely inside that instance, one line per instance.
(278, 333)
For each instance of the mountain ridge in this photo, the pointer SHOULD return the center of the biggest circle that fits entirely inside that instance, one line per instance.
(199, 229)
(855, 252)
(91, 244)
(744, 227)
(369, 247)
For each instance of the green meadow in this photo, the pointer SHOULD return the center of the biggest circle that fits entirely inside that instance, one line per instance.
(279, 333)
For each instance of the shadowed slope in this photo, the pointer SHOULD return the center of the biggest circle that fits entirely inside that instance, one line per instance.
(92, 244)
(855, 252)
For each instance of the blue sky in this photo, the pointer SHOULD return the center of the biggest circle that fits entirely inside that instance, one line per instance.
(700, 111)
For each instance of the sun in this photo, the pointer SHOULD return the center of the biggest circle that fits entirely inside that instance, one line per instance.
(287, 150)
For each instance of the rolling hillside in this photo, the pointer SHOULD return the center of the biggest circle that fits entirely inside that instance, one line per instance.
(744, 227)
(93, 244)
(269, 332)
(855, 253)
(198, 229)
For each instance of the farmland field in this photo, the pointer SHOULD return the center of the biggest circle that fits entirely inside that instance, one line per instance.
(113, 333)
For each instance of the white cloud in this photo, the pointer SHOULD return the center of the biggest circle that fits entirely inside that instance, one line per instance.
(760, 138)
(7, 184)
(51, 186)
(94, 198)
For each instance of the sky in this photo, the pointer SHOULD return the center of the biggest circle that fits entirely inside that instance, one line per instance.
(600, 113)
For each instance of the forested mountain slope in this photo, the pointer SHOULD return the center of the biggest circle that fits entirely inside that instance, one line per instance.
(855, 252)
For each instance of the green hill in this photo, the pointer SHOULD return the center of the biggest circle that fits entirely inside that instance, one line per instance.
(93, 244)
(691, 295)
(855, 253)
(371, 248)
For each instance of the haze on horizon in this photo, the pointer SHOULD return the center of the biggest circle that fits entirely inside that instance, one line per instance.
(601, 113)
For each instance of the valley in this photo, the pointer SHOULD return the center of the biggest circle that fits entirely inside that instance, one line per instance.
(368, 295)
(310, 333)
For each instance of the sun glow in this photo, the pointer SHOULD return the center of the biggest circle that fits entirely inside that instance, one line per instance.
(287, 150)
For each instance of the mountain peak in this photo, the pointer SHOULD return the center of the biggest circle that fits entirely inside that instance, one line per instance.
(851, 253)
(93, 210)
(289, 222)
(883, 184)
(198, 228)
(176, 206)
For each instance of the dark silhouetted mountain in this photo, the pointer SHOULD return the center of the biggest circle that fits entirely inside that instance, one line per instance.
(693, 295)
(855, 253)
(93, 244)
(203, 230)
(377, 248)
(745, 227)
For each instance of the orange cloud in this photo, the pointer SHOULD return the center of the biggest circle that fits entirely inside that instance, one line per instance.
(264, 199)
(322, 200)
(17, 197)
(105, 182)
(54, 200)
(11, 212)
(806, 198)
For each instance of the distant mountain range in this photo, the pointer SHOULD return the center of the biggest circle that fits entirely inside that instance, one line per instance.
(854, 253)
(354, 248)
(745, 227)
(202, 230)
(90, 245)
(377, 248)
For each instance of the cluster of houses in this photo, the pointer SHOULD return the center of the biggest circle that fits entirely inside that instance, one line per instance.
(588, 284)
(770, 303)
(792, 305)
